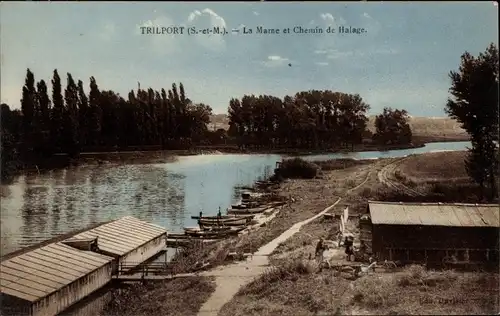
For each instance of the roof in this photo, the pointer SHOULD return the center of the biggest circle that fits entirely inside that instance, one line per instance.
(40, 272)
(436, 214)
(123, 235)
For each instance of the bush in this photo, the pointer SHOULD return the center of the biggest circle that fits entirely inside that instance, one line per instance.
(296, 168)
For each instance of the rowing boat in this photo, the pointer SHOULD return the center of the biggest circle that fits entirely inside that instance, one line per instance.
(223, 217)
(213, 234)
(227, 222)
(247, 211)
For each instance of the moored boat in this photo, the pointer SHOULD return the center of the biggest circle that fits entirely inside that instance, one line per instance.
(213, 234)
(247, 211)
(225, 222)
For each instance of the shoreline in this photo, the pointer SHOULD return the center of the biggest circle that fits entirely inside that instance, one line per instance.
(154, 155)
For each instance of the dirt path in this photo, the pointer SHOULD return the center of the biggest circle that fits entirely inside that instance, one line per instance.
(384, 176)
(229, 279)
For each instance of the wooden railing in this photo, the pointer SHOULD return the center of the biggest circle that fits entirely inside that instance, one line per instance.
(144, 269)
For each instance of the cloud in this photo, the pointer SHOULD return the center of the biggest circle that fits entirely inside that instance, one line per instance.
(161, 43)
(207, 18)
(276, 58)
(366, 15)
(321, 63)
(330, 20)
(256, 13)
(320, 52)
(327, 16)
(275, 61)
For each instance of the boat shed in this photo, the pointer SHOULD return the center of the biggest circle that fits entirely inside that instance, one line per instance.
(428, 232)
(49, 279)
(129, 240)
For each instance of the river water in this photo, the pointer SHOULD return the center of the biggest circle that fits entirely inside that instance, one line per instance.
(38, 207)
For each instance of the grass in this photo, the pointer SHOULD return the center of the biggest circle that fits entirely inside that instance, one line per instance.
(295, 287)
(416, 291)
(439, 176)
(290, 289)
(435, 167)
(179, 297)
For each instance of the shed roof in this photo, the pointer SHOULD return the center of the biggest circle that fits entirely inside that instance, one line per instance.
(435, 214)
(40, 272)
(123, 235)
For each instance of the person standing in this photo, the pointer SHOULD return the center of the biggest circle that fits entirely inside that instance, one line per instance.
(320, 248)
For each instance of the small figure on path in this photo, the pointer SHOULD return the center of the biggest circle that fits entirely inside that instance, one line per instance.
(320, 247)
(348, 244)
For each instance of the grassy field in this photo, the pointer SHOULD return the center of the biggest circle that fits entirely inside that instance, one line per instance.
(296, 288)
(435, 167)
(425, 129)
(177, 297)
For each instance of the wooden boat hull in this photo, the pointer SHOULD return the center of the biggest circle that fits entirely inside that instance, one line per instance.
(214, 228)
(213, 234)
(247, 211)
(237, 222)
(223, 217)
(239, 206)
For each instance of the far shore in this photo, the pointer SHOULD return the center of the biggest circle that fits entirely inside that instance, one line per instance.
(155, 154)
(233, 149)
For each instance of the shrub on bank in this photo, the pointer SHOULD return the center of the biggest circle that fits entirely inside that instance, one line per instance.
(296, 168)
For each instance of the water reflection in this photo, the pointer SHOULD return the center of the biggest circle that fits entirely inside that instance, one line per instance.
(39, 206)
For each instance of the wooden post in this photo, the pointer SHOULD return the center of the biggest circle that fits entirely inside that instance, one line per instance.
(407, 255)
(487, 255)
(390, 254)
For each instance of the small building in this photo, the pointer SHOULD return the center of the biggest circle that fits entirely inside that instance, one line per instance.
(428, 232)
(49, 279)
(129, 240)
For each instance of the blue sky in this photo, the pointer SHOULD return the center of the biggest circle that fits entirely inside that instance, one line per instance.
(402, 61)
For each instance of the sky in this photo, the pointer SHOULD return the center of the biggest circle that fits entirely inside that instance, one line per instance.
(401, 61)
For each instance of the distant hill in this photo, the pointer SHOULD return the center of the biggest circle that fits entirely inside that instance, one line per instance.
(422, 127)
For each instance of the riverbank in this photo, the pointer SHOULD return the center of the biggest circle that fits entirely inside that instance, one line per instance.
(154, 155)
(293, 284)
(179, 297)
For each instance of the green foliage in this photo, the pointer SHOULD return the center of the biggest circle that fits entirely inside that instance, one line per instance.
(474, 103)
(310, 119)
(296, 168)
(392, 127)
(99, 121)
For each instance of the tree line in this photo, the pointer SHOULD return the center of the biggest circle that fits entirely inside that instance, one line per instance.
(312, 119)
(67, 120)
(72, 121)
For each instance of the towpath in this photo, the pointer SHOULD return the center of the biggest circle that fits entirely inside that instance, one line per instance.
(229, 279)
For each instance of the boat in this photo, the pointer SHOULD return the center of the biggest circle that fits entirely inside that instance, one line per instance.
(239, 206)
(213, 234)
(221, 228)
(223, 217)
(225, 222)
(247, 211)
(246, 205)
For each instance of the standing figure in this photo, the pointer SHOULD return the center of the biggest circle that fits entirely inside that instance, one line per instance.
(348, 243)
(320, 247)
